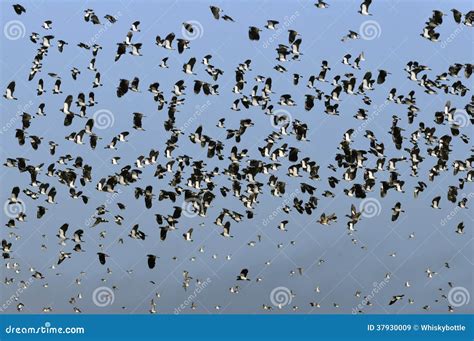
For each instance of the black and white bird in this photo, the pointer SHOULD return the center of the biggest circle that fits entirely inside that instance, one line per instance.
(9, 93)
(243, 275)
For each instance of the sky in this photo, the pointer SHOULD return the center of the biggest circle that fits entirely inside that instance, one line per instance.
(329, 256)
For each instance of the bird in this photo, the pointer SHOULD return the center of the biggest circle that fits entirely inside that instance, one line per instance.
(102, 257)
(254, 33)
(151, 261)
(460, 228)
(272, 24)
(243, 275)
(216, 11)
(364, 7)
(395, 299)
(10, 91)
(19, 9)
(396, 210)
(435, 202)
(188, 235)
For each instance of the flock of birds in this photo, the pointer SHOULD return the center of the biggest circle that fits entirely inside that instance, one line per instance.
(192, 188)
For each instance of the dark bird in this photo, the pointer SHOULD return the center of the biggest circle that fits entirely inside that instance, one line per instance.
(243, 275)
(151, 261)
(254, 33)
(19, 9)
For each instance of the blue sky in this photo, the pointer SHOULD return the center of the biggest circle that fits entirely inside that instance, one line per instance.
(347, 267)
